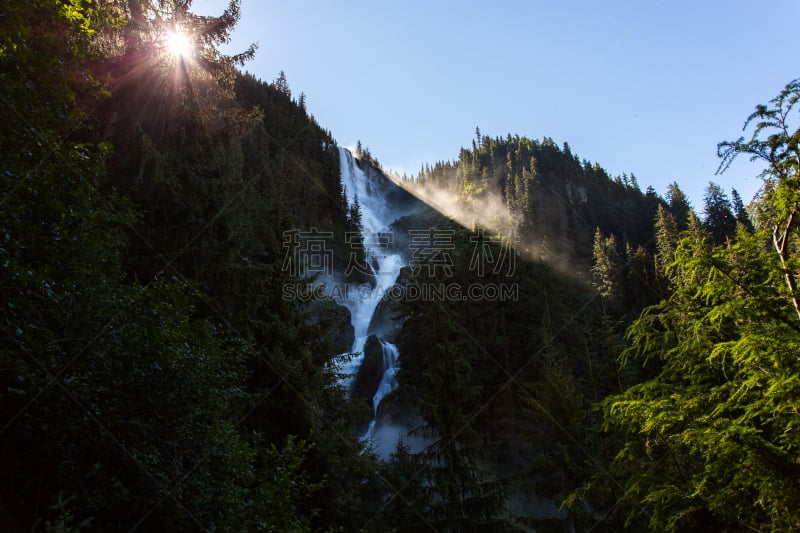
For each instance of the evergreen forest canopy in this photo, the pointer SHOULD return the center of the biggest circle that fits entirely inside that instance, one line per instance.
(153, 377)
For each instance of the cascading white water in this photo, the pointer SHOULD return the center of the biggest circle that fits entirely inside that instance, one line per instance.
(388, 382)
(376, 217)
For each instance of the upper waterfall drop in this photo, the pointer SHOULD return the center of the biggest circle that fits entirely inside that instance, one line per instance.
(385, 263)
(376, 219)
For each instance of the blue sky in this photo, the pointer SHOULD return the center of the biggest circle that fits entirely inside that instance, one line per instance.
(646, 87)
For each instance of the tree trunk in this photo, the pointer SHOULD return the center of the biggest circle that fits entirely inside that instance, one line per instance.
(780, 247)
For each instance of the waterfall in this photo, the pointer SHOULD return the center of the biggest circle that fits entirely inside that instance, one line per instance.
(385, 264)
(388, 383)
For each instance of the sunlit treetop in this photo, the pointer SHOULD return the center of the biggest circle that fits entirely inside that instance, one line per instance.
(175, 32)
(160, 58)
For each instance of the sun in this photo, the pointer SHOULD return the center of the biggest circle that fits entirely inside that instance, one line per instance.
(178, 43)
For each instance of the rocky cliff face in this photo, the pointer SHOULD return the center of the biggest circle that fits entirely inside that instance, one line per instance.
(335, 321)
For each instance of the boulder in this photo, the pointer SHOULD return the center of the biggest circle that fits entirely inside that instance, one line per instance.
(369, 374)
(367, 380)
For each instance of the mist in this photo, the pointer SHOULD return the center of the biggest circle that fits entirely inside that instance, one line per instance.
(488, 210)
(386, 437)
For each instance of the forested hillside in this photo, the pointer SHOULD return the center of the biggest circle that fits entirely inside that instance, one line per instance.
(152, 375)
(555, 200)
(599, 358)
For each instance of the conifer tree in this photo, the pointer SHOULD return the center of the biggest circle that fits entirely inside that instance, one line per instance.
(458, 493)
(678, 205)
(138, 397)
(719, 219)
(739, 211)
(642, 283)
(666, 233)
(607, 271)
(282, 84)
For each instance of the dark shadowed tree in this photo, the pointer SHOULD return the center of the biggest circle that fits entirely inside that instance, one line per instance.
(719, 219)
(282, 84)
(740, 212)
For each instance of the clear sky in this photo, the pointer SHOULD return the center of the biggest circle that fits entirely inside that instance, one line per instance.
(642, 87)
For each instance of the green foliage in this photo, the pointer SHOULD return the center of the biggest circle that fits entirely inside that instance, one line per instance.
(152, 376)
(709, 440)
(712, 425)
(781, 151)
(442, 376)
(406, 498)
(608, 267)
(666, 231)
(781, 146)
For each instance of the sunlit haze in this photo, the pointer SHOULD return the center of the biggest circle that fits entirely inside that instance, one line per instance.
(647, 88)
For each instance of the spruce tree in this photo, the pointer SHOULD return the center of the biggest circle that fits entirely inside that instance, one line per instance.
(679, 205)
(739, 211)
(282, 84)
(719, 219)
(666, 233)
(642, 284)
(607, 271)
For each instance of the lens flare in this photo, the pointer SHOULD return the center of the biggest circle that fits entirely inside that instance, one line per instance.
(178, 43)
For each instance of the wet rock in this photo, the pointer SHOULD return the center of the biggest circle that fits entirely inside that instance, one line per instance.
(369, 374)
(367, 380)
